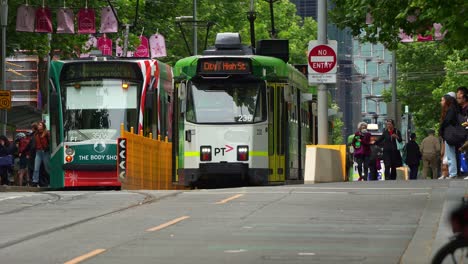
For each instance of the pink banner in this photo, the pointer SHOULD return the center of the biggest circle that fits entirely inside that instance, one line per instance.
(43, 20)
(105, 45)
(86, 21)
(142, 51)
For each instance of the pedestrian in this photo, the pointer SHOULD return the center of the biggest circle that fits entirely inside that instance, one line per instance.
(361, 145)
(448, 117)
(413, 156)
(391, 153)
(42, 147)
(6, 159)
(23, 155)
(462, 100)
(32, 150)
(374, 161)
(430, 151)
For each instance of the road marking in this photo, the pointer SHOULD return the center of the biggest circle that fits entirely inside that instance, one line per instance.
(306, 254)
(230, 198)
(9, 198)
(172, 222)
(85, 256)
(235, 250)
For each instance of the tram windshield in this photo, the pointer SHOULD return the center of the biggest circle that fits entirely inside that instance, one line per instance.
(226, 102)
(94, 109)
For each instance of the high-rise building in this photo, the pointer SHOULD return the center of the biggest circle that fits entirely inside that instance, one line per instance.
(364, 71)
(306, 8)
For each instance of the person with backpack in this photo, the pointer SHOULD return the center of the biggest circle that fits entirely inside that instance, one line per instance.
(361, 145)
(412, 156)
(42, 147)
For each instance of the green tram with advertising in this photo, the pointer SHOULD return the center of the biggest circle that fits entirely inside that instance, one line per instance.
(240, 115)
(89, 100)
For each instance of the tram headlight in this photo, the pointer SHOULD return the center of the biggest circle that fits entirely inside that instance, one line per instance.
(69, 158)
(69, 151)
(242, 153)
(205, 153)
(125, 85)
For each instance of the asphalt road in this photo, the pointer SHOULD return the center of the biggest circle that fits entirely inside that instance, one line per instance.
(361, 222)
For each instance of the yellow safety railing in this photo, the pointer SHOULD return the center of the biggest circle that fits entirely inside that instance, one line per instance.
(148, 162)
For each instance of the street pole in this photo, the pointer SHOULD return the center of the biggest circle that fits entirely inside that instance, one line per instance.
(394, 104)
(125, 44)
(4, 22)
(322, 94)
(252, 16)
(195, 38)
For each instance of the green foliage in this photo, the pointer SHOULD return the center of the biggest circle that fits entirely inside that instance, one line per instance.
(391, 16)
(159, 16)
(338, 124)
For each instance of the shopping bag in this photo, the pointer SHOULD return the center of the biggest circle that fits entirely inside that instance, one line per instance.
(105, 45)
(108, 20)
(25, 16)
(463, 163)
(65, 23)
(86, 21)
(43, 20)
(142, 50)
(157, 46)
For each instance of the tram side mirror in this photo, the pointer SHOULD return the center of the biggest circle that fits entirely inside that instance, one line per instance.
(53, 104)
(188, 135)
(182, 91)
(149, 99)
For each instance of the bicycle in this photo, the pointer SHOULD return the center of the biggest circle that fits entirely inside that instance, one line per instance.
(456, 250)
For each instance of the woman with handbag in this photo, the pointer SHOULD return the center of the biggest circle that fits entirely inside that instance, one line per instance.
(448, 118)
(361, 145)
(390, 139)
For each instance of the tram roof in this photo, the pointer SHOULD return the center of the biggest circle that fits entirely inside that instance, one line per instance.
(264, 67)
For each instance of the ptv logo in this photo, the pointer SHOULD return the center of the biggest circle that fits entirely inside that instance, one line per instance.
(222, 151)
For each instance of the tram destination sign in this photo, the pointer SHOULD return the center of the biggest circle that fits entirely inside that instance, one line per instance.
(120, 70)
(224, 66)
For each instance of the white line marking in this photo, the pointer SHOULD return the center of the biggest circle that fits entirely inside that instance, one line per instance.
(10, 198)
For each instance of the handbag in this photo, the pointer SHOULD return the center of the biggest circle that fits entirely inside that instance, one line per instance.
(6, 160)
(454, 135)
(43, 20)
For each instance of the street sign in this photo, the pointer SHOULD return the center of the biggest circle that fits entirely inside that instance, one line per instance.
(5, 99)
(122, 158)
(322, 61)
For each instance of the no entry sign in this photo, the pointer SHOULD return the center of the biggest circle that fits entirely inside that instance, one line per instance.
(322, 62)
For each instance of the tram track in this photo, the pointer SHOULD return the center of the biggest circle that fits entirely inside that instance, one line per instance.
(147, 199)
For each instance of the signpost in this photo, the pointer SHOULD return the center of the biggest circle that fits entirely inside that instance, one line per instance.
(5, 99)
(122, 158)
(322, 62)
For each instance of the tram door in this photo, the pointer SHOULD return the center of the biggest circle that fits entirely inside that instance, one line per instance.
(276, 132)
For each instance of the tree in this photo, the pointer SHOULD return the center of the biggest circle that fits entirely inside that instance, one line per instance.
(159, 16)
(412, 16)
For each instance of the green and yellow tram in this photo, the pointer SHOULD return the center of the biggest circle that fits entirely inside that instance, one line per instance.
(240, 115)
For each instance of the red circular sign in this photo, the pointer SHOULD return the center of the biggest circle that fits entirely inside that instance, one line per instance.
(322, 59)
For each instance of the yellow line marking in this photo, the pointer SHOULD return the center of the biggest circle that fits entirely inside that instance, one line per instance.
(229, 199)
(85, 256)
(172, 222)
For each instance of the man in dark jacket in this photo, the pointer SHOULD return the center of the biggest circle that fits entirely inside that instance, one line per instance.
(413, 156)
(391, 154)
